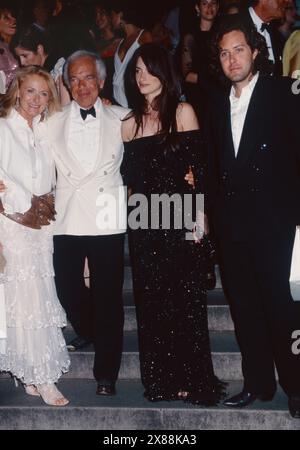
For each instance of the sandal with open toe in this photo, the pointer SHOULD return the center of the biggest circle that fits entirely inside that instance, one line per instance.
(51, 395)
(30, 389)
(182, 395)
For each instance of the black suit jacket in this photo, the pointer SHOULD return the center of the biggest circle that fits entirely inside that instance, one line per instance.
(257, 192)
(276, 39)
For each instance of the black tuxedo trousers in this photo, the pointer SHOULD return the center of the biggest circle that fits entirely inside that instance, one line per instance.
(256, 281)
(96, 313)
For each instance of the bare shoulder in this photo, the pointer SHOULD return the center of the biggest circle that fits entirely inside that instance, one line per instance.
(128, 128)
(186, 117)
(146, 37)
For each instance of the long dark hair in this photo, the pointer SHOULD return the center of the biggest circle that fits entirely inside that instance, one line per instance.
(159, 63)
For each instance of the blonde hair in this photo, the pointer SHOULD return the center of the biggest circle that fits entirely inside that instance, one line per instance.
(9, 100)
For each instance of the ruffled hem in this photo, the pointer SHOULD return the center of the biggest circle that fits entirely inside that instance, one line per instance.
(28, 267)
(28, 252)
(33, 304)
(35, 356)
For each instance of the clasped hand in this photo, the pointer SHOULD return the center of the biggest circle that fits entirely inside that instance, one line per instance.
(41, 212)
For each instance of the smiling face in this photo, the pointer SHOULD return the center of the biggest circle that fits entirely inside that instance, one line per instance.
(102, 18)
(237, 58)
(34, 95)
(7, 25)
(149, 85)
(208, 9)
(85, 84)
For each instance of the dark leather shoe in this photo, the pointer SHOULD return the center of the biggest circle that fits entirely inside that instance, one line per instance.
(106, 389)
(294, 407)
(77, 344)
(246, 398)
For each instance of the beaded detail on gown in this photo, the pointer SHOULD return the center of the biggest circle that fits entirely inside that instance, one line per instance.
(169, 278)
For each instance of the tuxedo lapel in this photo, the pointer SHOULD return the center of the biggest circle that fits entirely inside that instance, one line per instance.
(227, 156)
(252, 124)
(62, 152)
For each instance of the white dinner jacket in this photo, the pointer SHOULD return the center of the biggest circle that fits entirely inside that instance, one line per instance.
(89, 204)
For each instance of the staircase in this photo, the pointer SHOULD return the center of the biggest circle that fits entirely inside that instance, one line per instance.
(128, 410)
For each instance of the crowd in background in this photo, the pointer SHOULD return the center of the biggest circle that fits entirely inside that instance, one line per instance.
(46, 32)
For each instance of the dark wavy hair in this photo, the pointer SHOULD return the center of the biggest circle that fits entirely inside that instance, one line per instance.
(30, 38)
(254, 39)
(9, 6)
(159, 63)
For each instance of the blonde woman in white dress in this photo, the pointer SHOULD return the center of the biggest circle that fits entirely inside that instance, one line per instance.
(35, 350)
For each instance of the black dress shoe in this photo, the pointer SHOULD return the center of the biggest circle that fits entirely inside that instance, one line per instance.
(294, 407)
(105, 388)
(246, 398)
(78, 343)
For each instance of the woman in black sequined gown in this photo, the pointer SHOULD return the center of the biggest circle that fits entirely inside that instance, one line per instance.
(168, 270)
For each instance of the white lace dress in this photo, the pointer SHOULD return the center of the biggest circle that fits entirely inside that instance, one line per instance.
(35, 347)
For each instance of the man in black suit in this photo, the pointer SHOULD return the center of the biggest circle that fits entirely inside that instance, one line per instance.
(254, 204)
(262, 14)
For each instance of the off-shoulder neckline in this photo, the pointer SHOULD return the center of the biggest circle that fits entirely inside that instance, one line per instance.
(156, 135)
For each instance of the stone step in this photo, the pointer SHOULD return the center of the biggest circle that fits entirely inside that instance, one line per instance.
(219, 319)
(129, 410)
(225, 353)
(214, 297)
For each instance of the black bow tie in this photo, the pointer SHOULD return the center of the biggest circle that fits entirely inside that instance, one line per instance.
(85, 112)
(266, 26)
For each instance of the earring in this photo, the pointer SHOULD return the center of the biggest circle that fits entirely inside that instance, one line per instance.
(17, 104)
(45, 113)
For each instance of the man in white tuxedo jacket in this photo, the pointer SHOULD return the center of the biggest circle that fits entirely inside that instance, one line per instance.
(91, 214)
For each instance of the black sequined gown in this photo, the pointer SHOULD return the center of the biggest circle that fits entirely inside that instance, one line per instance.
(169, 278)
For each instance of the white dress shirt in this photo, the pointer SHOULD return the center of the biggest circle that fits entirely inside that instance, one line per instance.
(239, 108)
(258, 23)
(26, 163)
(84, 137)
